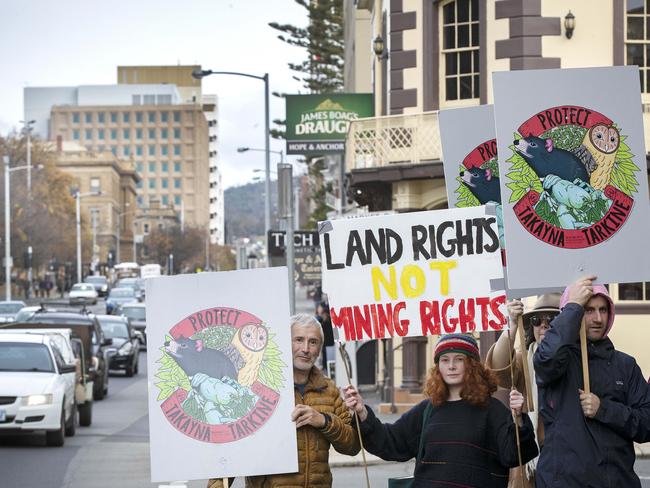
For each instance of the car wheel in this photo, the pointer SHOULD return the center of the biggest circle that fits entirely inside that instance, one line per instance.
(106, 384)
(130, 370)
(86, 414)
(98, 391)
(71, 424)
(137, 366)
(56, 438)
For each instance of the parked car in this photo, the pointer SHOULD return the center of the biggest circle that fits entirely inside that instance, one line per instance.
(125, 351)
(26, 312)
(72, 350)
(83, 293)
(119, 296)
(134, 283)
(84, 326)
(136, 313)
(36, 387)
(100, 283)
(9, 309)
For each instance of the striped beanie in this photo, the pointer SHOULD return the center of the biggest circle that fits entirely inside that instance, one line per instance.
(460, 343)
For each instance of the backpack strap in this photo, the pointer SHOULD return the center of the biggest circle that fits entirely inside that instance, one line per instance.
(425, 418)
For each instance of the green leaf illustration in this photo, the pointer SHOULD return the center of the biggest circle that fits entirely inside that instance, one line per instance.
(272, 366)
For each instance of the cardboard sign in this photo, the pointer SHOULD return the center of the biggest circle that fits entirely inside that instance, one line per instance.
(573, 175)
(414, 274)
(220, 375)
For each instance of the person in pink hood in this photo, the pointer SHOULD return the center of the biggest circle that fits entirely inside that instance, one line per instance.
(588, 436)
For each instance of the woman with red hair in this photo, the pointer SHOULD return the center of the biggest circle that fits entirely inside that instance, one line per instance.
(459, 435)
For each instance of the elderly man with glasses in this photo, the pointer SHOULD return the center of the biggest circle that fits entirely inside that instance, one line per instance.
(502, 354)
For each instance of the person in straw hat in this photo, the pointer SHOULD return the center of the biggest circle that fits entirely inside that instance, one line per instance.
(469, 437)
(502, 355)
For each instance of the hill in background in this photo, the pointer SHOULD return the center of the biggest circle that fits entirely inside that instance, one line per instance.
(244, 210)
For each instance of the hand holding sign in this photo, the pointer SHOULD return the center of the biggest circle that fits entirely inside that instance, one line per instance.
(581, 291)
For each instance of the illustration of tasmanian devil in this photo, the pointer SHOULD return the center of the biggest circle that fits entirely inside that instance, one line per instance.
(193, 358)
(546, 160)
(483, 185)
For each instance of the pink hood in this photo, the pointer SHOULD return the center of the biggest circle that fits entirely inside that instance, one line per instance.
(598, 290)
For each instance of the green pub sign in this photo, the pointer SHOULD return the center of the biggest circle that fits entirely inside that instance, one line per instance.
(318, 124)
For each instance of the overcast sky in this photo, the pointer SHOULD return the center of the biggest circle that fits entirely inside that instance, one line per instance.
(81, 42)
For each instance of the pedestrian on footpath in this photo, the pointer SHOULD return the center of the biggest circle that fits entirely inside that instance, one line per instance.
(321, 417)
(588, 439)
(469, 438)
(502, 357)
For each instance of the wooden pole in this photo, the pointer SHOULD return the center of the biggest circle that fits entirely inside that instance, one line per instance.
(514, 417)
(585, 359)
(345, 358)
(524, 356)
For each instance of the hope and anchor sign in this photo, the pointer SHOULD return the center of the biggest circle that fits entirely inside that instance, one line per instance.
(422, 273)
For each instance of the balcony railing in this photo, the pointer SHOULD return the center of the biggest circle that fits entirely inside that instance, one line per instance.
(391, 140)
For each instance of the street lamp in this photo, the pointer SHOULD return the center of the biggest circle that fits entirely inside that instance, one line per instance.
(78, 196)
(27, 129)
(267, 134)
(8, 260)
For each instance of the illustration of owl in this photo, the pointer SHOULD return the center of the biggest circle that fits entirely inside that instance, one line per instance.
(602, 143)
(250, 342)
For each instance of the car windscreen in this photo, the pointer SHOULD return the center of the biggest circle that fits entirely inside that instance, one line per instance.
(134, 313)
(51, 319)
(18, 356)
(114, 328)
(82, 287)
(122, 292)
(10, 307)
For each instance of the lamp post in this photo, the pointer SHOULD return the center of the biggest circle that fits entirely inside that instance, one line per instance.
(267, 134)
(27, 128)
(119, 229)
(8, 260)
(285, 209)
(78, 196)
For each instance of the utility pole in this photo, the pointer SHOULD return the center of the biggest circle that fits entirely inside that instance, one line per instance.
(285, 209)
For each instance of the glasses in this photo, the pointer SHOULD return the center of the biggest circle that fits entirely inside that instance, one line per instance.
(537, 320)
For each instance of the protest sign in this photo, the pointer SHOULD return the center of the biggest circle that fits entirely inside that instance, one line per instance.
(414, 274)
(573, 175)
(220, 375)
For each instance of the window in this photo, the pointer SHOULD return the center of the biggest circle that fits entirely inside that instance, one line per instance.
(164, 133)
(113, 134)
(151, 117)
(165, 183)
(139, 199)
(177, 167)
(126, 117)
(163, 99)
(177, 182)
(138, 150)
(149, 99)
(145, 228)
(100, 134)
(152, 150)
(177, 200)
(164, 116)
(114, 150)
(177, 132)
(138, 133)
(177, 150)
(88, 134)
(95, 185)
(101, 117)
(152, 133)
(460, 49)
(634, 291)
(75, 117)
(126, 150)
(165, 199)
(138, 117)
(100, 149)
(138, 167)
(126, 133)
(164, 167)
(114, 117)
(88, 117)
(177, 116)
(152, 183)
(164, 150)
(136, 99)
(75, 134)
(152, 167)
(637, 40)
(139, 184)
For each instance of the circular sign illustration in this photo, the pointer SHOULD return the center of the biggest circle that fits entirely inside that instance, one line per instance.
(572, 177)
(220, 375)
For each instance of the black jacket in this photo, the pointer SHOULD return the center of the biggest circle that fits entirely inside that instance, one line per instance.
(579, 451)
(464, 445)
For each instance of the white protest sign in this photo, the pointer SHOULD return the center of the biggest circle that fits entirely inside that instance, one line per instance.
(573, 175)
(413, 274)
(220, 375)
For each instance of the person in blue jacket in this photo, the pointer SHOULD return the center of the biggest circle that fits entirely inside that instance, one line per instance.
(589, 436)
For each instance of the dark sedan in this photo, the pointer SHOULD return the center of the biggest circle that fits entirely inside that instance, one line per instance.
(124, 353)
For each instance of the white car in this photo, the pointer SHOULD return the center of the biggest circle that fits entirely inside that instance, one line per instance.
(82, 293)
(37, 387)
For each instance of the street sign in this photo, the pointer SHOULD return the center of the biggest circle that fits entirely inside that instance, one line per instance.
(306, 254)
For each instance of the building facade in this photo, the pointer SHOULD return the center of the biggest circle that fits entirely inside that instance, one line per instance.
(440, 54)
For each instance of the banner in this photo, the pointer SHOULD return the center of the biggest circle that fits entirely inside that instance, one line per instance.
(413, 274)
(220, 375)
(318, 124)
(573, 172)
